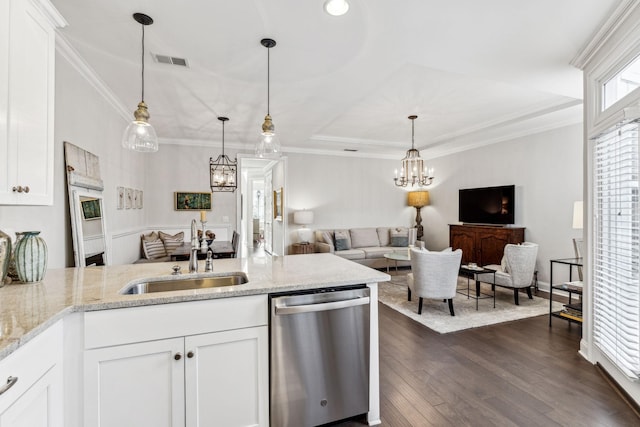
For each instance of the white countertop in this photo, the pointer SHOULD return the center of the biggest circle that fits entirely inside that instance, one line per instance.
(27, 309)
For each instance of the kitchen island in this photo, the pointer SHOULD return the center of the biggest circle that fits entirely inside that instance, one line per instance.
(73, 295)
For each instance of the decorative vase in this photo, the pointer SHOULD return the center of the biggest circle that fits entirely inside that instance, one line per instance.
(5, 255)
(30, 256)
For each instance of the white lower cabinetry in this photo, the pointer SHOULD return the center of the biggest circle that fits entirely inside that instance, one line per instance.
(217, 378)
(36, 397)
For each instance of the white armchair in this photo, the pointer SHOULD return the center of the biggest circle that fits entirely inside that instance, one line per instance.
(517, 270)
(434, 275)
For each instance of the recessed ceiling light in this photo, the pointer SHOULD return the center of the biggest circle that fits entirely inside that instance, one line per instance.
(336, 7)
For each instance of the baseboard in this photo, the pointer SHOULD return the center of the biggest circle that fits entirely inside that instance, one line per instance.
(619, 390)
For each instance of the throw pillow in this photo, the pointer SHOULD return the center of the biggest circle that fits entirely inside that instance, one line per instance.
(327, 238)
(399, 236)
(149, 237)
(176, 236)
(343, 240)
(153, 249)
(170, 245)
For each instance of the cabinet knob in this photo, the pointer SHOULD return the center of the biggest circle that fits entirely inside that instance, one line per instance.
(190, 354)
(21, 189)
(178, 356)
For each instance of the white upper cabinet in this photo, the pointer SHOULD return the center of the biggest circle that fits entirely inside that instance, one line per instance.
(27, 81)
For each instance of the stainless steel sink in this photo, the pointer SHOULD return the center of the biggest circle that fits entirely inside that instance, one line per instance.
(180, 284)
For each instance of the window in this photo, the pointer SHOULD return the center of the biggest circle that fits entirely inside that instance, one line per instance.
(616, 256)
(622, 84)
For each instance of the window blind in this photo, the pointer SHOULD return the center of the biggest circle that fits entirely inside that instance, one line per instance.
(616, 257)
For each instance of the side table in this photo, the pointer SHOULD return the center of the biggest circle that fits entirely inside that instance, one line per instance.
(302, 248)
(470, 272)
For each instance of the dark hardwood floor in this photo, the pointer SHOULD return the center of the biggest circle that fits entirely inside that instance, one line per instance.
(520, 373)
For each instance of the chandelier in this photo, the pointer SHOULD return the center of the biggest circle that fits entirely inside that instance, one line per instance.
(223, 172)
(413, 169)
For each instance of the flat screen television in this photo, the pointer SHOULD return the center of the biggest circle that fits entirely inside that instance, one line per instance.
(487, 205)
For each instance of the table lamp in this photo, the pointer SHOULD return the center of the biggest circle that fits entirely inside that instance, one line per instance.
(303, 218)
(418, 199)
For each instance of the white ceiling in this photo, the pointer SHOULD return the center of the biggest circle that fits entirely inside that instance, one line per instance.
(474, 72)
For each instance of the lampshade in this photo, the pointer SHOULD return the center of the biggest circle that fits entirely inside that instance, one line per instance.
(418, 199)
(303, 217)
(577, 214)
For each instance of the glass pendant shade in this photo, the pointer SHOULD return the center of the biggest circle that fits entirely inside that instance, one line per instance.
(268, 144)
(140, 135)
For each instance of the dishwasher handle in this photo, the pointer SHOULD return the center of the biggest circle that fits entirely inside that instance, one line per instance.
(282, 309)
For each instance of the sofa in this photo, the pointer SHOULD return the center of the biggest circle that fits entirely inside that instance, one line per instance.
(366, 246)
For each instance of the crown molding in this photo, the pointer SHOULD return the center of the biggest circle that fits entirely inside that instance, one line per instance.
(51, 13)
(68, 52)
(614, 20)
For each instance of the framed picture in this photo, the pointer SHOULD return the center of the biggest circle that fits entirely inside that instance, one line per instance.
(277, 204)
(139, 206)
(91, 209)
(190, 201)
(128, 198)
(120, 198)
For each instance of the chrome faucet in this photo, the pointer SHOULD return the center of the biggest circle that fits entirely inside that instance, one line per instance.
(193, 256)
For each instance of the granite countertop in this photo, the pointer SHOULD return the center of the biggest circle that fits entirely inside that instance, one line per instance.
(29, 308)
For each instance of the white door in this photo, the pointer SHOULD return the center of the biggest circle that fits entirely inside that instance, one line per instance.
(138, 384)
(227, 378)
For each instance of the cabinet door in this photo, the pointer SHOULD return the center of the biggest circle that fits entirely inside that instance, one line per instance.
(39, 406)
(26, 144)
(492, 245)
(135, 385)
(227, 378)
(465, 239)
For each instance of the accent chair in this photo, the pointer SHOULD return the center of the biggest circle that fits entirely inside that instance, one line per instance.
(516, 270)
(434, 275)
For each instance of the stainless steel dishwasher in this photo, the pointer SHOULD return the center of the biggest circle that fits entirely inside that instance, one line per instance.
(319, 348)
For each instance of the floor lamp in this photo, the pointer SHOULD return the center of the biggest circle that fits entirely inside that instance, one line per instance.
(418, 199)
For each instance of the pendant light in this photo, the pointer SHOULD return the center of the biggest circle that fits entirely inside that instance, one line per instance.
(268, 145)
(140, 135)
(413, 170)
(223, 172)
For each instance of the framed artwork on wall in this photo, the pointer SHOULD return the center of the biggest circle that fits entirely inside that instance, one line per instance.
(278, 204)
(139, 199)
(128, 198)
(120, 204)
(191, 201)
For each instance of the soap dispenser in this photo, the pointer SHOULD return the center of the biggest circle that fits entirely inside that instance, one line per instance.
(208, 266)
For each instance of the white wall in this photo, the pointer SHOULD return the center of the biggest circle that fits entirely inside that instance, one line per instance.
(85, 119)
(179, 168)
(345, 192)
(546, 169)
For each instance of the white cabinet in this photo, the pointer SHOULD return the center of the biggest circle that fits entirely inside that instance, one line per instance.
(189, 376)
(36, 397)
(27, 80)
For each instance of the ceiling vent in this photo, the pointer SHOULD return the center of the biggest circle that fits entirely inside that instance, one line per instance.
(351, 150)
(164, 59)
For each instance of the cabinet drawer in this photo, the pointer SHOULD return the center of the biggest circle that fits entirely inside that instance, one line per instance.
(30, 362)
(137, 324)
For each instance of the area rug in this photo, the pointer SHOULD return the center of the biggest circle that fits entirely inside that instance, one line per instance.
(435, 313)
